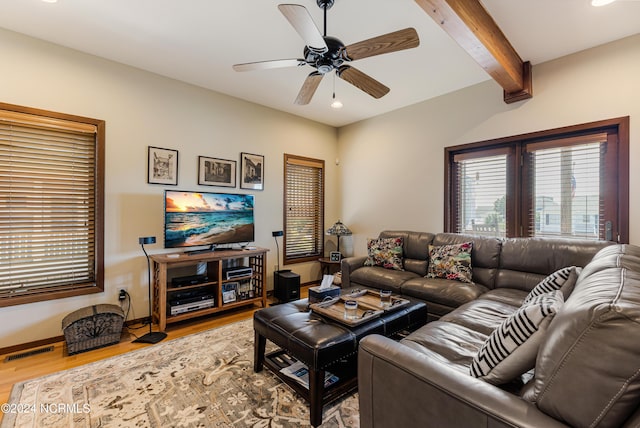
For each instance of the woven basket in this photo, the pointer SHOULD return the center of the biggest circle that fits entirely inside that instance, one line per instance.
(92, 327)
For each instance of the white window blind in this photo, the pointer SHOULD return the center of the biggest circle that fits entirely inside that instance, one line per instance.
(566, 187)
(47, 205)
(482, 192)
(304, 208)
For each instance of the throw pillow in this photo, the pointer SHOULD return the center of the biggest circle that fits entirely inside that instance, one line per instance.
(563, 279)
(385, 252)
(450, 261)
(511, 349)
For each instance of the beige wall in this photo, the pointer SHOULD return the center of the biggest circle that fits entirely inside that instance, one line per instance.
(392, 165)
(142, 109)
(390, 172)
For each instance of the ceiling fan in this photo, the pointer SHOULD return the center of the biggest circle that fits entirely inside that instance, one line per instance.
(326, 53)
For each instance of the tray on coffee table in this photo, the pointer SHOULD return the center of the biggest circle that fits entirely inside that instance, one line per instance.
(372, 298)
(368, 307)
(334, 309)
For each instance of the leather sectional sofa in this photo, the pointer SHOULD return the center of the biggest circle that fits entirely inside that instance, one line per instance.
(585, 365)
(509, 265)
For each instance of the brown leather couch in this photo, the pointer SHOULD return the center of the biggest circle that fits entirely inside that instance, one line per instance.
(506, 264)
(587, 368)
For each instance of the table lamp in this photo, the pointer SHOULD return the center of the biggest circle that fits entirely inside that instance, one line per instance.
(339, 229)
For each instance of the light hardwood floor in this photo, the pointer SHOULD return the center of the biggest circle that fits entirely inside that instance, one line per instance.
(50, 362)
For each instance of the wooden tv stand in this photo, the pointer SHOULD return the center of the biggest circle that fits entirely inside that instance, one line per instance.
(165, 267)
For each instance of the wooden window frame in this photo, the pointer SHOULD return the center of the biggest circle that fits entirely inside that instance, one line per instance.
(517, 214)
(49, 118)
(319, 237)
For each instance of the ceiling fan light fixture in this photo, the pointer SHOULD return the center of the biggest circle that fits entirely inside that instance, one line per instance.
(598, 3)
(336, 103)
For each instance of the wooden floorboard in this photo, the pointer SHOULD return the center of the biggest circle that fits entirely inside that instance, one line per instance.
(22, 369)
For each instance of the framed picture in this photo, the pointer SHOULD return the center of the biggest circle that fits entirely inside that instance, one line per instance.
(216, 172)
(229, 292)
(162, 166)
(251, 171)
(335, 256)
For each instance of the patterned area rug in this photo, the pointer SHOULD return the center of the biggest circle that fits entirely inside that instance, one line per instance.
(202, 380)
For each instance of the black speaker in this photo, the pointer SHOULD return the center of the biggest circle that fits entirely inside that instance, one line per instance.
(286, 285)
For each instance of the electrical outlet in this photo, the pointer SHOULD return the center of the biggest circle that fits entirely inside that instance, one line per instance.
(122, 295)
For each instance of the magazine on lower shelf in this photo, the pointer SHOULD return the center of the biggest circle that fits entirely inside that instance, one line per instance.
(300, 372)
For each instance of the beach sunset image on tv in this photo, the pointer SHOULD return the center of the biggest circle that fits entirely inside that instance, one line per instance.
(202, 218)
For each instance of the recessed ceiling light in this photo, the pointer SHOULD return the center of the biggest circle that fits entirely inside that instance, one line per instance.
(601, 2)
(50, 1)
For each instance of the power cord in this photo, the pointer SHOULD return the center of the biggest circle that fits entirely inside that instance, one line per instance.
(125, 298)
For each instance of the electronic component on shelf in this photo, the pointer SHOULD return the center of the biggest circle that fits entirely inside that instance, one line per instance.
(237, 272)
(190, 307)
(183, 281)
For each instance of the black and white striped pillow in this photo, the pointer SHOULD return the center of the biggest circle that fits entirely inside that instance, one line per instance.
(511, 349)
(555, 281)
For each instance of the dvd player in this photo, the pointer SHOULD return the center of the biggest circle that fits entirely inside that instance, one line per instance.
(190, 307)
(237, 272)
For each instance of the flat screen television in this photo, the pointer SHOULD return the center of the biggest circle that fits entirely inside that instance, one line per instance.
(204, 218)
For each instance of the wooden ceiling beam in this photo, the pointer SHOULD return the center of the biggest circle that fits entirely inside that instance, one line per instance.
(469, 24)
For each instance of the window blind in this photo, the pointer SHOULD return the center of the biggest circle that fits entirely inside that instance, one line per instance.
(304, 208)
(566, 196)
(481, 204)
(47, 204)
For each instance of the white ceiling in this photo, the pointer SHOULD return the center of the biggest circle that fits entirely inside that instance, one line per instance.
(197, 41)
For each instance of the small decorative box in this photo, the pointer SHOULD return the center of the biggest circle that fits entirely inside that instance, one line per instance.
(317, 294)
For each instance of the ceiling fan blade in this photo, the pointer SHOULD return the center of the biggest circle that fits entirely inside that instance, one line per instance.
(265, 65)
(309, 88)
(387, 43)
(362, 81)
(301, 20)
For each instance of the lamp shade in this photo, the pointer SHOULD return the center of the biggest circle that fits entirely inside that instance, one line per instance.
(339, 229)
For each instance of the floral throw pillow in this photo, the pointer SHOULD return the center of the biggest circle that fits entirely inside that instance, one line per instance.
(450, 261)
(385, 252)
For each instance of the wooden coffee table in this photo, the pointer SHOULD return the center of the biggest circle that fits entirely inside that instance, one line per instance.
(322, 345)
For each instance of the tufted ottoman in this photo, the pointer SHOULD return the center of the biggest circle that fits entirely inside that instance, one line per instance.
(322, 345)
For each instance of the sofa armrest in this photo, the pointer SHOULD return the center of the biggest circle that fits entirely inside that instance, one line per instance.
(348, 265)
(400, 387)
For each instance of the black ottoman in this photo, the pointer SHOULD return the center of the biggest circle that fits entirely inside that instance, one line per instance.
(321, 343)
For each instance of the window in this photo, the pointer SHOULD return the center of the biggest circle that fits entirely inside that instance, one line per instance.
(303, 209)
(570, 182)
(51, 208)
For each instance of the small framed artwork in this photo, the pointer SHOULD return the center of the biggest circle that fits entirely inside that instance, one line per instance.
(335, 256)
(162, 166)
(216, 172)
(251, 171)
(229, 292)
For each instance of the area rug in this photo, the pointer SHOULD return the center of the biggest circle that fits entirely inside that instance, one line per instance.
(201, 380)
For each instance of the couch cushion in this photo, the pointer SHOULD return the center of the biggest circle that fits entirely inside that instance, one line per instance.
(443, 291)
(452, 261)
(482, 315)
(377, 277)
(385, 252)
(511, 348)
(415, 246)
(452, 344)
(485, 255)
(524, 262)
(587, 370)
(509, 296)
